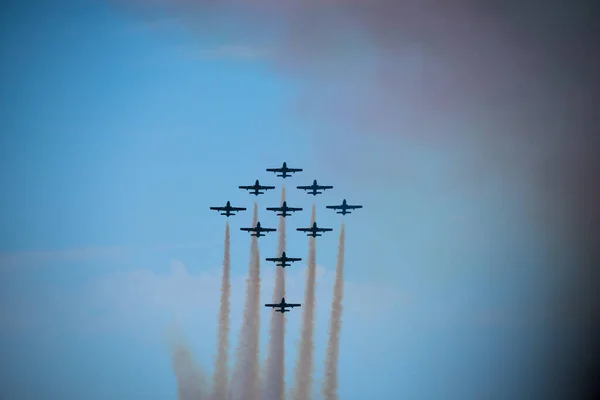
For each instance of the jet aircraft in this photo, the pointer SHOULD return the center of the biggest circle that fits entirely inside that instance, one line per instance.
(283, 171)
(314, 188)
(313, 230)
(282, 306)
(284, 260)
(344, 207)
(228, 209)
(257, 230)
(283, 210)
(256, 188)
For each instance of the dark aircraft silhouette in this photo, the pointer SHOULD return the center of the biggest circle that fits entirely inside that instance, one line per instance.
(282, 306)
(284, 170)
(284, 209)
(344, 207)
(257, 230)
(313, 230)
(283, 261)
(314, 188)
(256, 188)
(228, 209)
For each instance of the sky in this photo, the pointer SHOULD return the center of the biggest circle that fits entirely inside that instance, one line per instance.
(121, 127)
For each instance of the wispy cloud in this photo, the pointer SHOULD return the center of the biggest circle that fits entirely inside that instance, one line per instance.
(87, 253)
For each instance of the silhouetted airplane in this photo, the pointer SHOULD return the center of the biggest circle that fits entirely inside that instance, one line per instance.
(228, 209)
(283, 261)
(344, 207)
(257, 230)
(282, 306)
(256, 188)
(284, 209)
(314, 188)
(313, 230)
(284, 170)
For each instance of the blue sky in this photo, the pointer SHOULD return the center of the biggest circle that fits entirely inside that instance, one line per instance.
(117, 137)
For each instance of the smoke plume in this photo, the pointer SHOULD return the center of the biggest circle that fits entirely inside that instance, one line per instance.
(304, 367)
(330, 386)
(191, 382)
(274, 385)
(220, 375)
(246, 372)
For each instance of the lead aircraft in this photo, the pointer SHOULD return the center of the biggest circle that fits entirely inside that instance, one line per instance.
(284, 170)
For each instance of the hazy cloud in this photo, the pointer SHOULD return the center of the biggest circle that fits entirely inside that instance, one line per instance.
(89, 253)
(239, 52)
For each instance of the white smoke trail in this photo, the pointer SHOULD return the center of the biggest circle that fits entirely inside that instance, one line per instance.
(190, 379)
(330, 386)
(246, 373)
(304, 366)
(274, 386)
(220, 376)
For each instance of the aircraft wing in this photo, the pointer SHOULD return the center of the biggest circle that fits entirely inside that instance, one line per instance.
(294, 169)
(218, 208)
(334, 207)
(292, 305)
(274, 209)
(237, 208)
(304, 187)
(353, 207)
(266, 187)
(275, 169)
(273, 259)
(268, 229)
(304, 229)
(246, 187)
(294, 209)
(324, 229)
(293, 259)
(247, 229)
(324, 187)
(272, 305)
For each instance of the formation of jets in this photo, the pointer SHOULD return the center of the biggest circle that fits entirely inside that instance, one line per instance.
(283, 211)
(282, 306)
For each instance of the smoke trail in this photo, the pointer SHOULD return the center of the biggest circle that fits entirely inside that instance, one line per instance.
(246, 373)
(333, 346)
(274, 388)
(304, 366)
(220, 374)
(190, 379)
